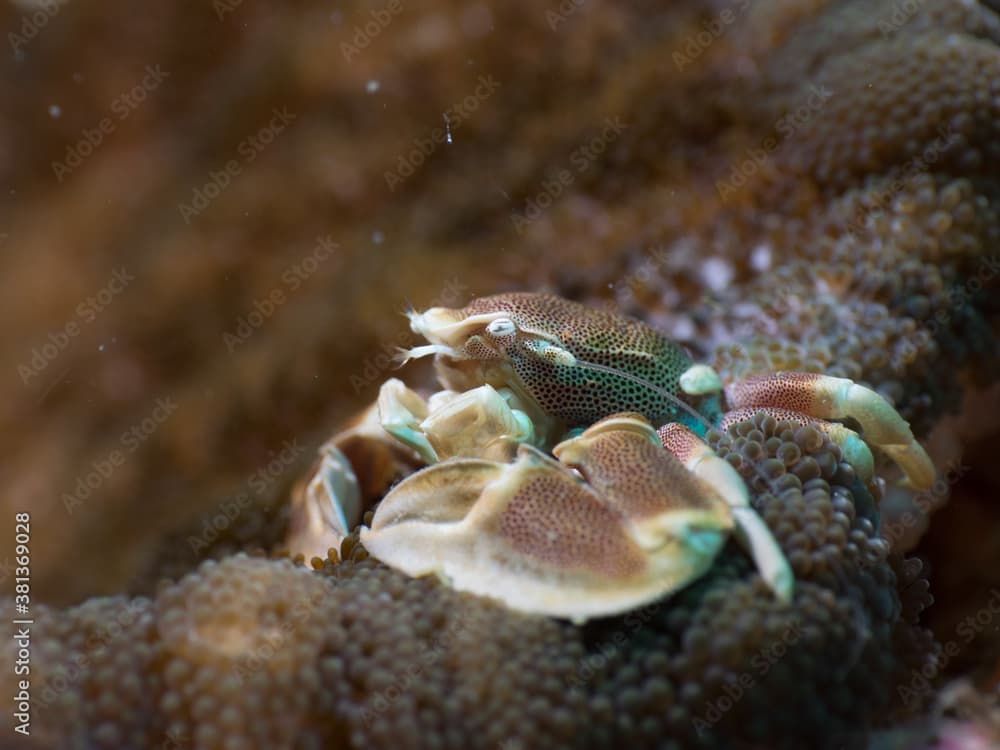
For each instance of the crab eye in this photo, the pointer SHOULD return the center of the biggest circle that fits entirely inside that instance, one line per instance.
(501, 328)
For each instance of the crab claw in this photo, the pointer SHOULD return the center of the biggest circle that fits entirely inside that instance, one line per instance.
(839, 398)
(686, 479)
(326, 508)
(537, 537)
(622, 459)
(353, 470)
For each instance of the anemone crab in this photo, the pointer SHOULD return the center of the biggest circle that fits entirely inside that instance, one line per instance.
(565, 471)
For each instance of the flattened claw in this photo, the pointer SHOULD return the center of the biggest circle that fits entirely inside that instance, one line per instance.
(839, 398)
(751, 531)
(622, 459)
(355, 468)
(535, 536)
(416, 528)
(327, 508)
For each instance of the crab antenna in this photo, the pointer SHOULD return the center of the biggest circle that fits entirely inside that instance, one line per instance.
(409, 307)
(646, 384)
(405, 355)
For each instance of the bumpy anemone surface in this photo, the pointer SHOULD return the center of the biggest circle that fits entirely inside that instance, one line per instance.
(253, 652)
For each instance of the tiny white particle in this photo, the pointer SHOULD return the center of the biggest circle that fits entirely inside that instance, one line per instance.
(377, 237)
(760, 258)
(716, 273)
(100, 348)
(372, 86)
(55, 110)
(447, 127)
(683, 328)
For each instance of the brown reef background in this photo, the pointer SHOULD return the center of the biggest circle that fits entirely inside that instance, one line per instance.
(215, 213)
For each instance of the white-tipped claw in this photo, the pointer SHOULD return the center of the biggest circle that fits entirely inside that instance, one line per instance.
(757, 539)
(882, 426)
(699, 380)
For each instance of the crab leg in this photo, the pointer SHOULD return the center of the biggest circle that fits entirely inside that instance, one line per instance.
(839, 398)
(751, 531)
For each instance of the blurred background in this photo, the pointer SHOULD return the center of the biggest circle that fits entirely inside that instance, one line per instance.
(214, 214)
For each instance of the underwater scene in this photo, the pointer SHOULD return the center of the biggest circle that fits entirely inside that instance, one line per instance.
(494, 375)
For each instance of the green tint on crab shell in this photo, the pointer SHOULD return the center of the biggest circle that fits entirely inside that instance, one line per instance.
(580, 396)
(576, 394)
